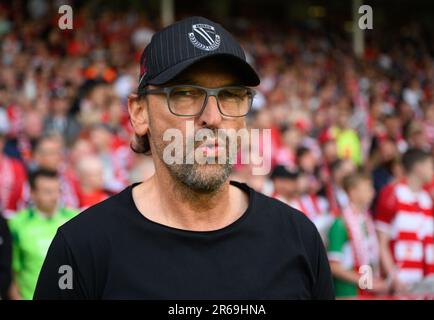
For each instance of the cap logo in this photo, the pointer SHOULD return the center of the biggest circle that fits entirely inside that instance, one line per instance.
(204, 37)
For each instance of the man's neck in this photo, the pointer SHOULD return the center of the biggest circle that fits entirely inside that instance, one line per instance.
(176, 205)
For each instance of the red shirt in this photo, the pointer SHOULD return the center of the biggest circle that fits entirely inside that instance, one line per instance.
(89, 199)
(407, 217)
(12, 184)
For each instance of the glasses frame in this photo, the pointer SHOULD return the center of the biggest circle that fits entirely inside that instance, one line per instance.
(214, 92)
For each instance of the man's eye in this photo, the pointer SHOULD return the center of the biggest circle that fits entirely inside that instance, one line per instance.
(239, 94)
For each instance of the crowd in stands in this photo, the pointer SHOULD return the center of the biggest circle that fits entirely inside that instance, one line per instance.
(352, 138)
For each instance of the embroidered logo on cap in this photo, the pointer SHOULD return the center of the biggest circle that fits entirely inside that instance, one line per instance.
(204, 37)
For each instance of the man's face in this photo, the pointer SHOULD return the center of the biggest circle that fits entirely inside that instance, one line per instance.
(388, 151)
(425, 170)
(363, 193)
(286, 187)
(46, 193)
(60, 106)
(91, 175)
(308, 162)
(330, 151)
(302, 183)
(343, 118)
(49, 154)
(392, 125)
(100, 138)
(206, 177)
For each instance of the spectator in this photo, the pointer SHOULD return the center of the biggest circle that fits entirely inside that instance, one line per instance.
(347, 140)
(90, 184)
(285, 184)
(12, 182)
(353, 241)
(59, 121)
(385, 172)
(313, 205)
(49, 154)
(339, 170)
(33, 229)
(114, 156)
(404, 218)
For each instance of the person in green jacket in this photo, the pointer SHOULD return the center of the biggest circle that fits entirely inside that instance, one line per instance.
(33, 229)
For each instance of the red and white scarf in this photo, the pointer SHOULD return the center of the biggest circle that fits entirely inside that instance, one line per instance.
(364, 245)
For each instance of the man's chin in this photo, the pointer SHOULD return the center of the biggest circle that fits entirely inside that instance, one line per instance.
(203, 178)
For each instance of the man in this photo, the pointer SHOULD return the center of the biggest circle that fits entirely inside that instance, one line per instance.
(404, 218)
(12, 181)
(353, 241)
(49, 154)
(285, 186)
(339, 170)
(90, 181)
(291, 187)
(33, 229)
(347, 140)
(59, 120)
(188, 232)
(114, 156)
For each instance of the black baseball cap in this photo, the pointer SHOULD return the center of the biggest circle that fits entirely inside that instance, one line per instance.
(186, 42)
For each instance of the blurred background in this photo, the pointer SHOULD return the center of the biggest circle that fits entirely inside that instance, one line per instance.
(339, 100)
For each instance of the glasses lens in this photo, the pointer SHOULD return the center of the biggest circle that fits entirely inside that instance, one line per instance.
(186, 101)
(235, 101)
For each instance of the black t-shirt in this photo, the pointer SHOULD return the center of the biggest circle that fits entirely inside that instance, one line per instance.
(271, 252)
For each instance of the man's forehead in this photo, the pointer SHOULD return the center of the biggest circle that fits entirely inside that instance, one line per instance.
(207, 73)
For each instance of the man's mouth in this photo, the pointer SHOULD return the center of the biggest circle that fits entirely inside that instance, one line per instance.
(210, 149)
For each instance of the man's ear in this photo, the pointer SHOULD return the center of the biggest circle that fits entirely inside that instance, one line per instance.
(137, 108)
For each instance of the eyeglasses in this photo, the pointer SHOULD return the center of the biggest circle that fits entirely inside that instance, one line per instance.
(189, 101)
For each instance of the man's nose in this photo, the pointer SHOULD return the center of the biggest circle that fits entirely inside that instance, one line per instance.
(211, 116)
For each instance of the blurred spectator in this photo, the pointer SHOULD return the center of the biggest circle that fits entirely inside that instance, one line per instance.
(12, 182)
(314, 206)
(58, 120)
(416, 136)
(339, 170)
(90, 182)
(286, 154)
(386, 170)
(114, 156)
(49, 154)
(285, 184)
(347, 140)
(405, 222)
(33, 229)
(353, 241)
